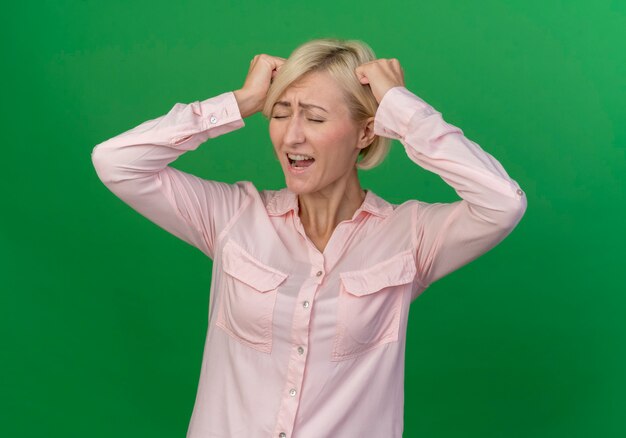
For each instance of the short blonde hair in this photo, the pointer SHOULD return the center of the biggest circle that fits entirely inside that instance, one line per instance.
(339, 58)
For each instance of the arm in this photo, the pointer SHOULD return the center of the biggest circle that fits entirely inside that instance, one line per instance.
(134, 166)
(447, 236)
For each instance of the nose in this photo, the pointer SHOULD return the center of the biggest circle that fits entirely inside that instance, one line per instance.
(295, 131)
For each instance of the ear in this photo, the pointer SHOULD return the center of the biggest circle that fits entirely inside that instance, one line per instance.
(366, 134)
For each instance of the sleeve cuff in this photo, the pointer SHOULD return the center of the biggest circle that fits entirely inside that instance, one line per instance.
(396, 109)
(221, 113)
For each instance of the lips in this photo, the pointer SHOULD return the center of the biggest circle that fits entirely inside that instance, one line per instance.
(301, 168)
(300, 163)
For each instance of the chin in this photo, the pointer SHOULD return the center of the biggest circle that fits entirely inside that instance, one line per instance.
(298, 187)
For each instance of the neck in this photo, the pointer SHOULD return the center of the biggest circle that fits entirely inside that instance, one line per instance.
(321, 211)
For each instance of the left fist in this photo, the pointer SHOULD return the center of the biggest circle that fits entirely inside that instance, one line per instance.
(381, 75)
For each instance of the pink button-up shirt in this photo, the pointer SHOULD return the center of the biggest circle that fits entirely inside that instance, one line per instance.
(301, 343)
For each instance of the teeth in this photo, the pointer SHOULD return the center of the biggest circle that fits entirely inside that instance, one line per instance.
(298, 157)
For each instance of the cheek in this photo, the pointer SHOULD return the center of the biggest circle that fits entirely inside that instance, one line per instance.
(273, 136)
(341, 143)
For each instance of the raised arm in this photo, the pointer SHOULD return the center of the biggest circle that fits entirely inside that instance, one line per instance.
(134, 166)
(445, 236)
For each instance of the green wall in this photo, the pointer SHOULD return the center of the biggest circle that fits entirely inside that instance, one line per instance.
(103, 314)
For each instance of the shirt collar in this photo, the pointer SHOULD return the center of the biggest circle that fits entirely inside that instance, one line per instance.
(284, 200)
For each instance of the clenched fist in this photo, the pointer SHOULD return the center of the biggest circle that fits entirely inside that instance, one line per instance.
(251, 96)
(381, 75)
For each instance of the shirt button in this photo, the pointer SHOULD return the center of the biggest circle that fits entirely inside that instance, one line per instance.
(305, 304)
(213, 119)
(318, 273)
(300, 350)
(282, 435)
(519, 192)
(292, 392)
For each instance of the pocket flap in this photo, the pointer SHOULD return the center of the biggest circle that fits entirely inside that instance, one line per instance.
(399, 269)
(241, 265)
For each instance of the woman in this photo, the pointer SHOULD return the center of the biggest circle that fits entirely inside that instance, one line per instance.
(312, 284)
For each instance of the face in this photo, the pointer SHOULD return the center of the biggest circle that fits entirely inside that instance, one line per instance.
(311, 118)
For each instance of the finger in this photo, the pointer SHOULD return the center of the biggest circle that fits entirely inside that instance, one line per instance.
(275, 71)
(273, 62)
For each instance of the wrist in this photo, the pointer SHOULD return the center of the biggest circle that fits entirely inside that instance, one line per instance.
(246, 103)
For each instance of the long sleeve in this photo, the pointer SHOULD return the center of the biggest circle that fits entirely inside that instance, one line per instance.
(447, 236)
(134, 166)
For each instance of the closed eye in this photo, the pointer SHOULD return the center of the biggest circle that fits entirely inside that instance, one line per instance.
(311, 120)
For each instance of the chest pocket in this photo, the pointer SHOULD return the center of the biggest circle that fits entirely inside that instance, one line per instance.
(370, 305)
(248, 298)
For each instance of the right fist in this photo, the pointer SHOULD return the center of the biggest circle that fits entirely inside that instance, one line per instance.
(251, 96)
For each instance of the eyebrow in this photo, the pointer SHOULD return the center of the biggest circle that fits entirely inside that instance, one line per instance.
(303, 105)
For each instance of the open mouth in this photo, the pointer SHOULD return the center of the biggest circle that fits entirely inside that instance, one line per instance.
(300, 163)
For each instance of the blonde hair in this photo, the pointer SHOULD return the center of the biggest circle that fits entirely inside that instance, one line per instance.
(339, 58)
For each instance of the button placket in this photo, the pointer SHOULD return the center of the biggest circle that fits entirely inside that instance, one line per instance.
(317, 271)
(295, 375)
(299, 338)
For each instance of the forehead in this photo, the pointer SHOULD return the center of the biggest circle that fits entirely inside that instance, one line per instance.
(317, 88)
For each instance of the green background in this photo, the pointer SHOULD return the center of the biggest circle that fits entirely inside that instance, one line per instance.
(103, 314)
